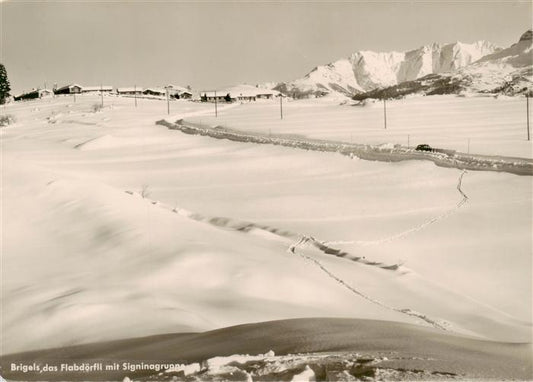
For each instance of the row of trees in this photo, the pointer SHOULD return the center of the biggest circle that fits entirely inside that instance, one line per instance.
(4, 85)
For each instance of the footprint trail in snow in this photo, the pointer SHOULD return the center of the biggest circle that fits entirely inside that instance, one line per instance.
(410, 231)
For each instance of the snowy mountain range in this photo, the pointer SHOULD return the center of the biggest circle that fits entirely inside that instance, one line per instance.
(482, 64)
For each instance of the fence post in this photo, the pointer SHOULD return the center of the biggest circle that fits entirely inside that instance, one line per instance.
(168, 102)
(527, 113)
(216, 110)
(281, 104)
(385, 112)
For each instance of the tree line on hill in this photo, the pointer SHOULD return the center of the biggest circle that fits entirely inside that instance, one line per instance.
(5, 88)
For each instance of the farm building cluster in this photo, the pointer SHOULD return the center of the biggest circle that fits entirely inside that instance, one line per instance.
(241, 93)
(173, 91)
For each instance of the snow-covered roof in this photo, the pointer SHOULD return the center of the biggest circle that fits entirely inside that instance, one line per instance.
(181, 89)
(219, 93)
(130, 89)
(96, 88)
(38, 91)
(69, 86)
(241, 90)
(156, 90)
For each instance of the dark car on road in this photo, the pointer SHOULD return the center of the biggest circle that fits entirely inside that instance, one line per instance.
(424, 147)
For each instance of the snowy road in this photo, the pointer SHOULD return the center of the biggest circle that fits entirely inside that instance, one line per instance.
(452, 159)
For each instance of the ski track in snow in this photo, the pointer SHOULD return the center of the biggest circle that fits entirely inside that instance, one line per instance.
(418, 228)
(324, 247)
(305, 240)
(226, 223)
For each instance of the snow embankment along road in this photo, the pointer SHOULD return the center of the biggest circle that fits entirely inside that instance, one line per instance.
(396, 153)
(377, 349)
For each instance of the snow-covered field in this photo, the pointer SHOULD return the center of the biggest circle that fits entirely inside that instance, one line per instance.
(113, 227)
(476, 124)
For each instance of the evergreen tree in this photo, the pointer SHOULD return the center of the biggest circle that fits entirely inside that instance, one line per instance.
(4, 85)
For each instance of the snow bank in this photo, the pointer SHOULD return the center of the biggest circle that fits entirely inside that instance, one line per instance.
(307, 375)
(309, 349)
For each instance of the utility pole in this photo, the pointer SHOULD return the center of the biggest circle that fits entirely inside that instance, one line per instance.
(408, 141)
(385, 112)
(527, 112)
(102, 94)
(168, 102)
(281, 105)
(135, 94)
(216, 111)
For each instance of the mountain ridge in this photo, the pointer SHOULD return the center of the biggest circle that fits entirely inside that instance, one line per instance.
(508, 71)
(450, 68)
(367, 70)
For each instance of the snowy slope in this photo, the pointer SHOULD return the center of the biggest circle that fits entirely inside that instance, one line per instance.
(509, 71)
(86, 258)
(367, 70)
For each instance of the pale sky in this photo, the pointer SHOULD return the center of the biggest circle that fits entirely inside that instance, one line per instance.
(212, 44)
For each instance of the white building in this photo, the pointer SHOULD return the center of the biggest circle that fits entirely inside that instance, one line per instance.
(97, 89)
(240, 93)
(33, 94)
(69, 89)
(130, 91)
